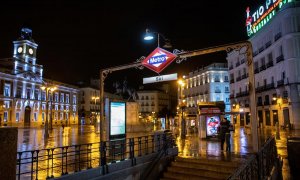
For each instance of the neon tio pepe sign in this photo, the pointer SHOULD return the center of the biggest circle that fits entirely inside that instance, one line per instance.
(158, 60)
(262, 15)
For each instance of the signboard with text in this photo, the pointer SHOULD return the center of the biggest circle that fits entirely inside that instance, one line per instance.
(158, 60)
(259, 17)
(168, 77)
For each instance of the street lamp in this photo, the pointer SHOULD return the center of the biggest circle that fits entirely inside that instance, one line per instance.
(95, 98)
(150, 35)
(182, 106)
(48, 89)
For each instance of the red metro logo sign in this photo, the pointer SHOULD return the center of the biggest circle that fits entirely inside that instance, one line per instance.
(158, 60)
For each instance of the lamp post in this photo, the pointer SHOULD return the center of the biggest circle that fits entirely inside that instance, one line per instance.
(182, 106)
(48, 89)
(95, 98)
(149, 36)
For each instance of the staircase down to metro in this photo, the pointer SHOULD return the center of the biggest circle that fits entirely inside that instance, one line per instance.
(200, 168)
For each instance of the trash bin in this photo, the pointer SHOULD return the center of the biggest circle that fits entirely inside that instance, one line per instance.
(293, 148)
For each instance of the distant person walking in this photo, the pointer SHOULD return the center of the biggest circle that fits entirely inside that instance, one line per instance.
(224, 131)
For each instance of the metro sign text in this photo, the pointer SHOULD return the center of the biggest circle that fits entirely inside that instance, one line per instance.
(158, 60)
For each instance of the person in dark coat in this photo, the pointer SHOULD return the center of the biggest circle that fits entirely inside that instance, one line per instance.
(225, 134)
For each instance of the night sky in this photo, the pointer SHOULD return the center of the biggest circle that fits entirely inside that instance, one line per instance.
(76, 39)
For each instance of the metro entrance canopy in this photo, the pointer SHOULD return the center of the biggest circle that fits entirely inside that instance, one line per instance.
(243, 48)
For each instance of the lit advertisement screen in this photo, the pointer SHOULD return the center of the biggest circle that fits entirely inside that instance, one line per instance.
(212, 124)
(117, 118)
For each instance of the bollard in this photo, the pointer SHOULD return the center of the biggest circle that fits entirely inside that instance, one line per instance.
(277, 131)
(8, 152)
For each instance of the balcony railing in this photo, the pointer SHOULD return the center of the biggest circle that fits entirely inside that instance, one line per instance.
(243, 93)
(269, 64)
(277, 36)
(266, 103)
(255, 53)
(244, 76)
(280, 82)
(262, 68)
(279, 58)
(259, 103)
(242, 61)
(217, 91)
(261, 49)
(270, 86)
(268, 44)
(260, 88)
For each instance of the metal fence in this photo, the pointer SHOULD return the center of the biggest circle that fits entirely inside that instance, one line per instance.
(58, 161)
(259, 165)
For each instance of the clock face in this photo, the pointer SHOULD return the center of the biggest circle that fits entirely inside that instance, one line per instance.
(20, 49)
(30, 51)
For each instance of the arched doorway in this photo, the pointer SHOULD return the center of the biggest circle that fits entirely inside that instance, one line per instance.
(27, 116)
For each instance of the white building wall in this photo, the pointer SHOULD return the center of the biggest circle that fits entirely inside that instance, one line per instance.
(281, 39)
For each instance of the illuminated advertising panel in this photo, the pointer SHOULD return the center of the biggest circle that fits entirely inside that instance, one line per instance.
(117, 119)
(259, 17)
(212, 124)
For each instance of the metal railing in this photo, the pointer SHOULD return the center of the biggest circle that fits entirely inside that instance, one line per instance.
(59, 161)
(259, 165)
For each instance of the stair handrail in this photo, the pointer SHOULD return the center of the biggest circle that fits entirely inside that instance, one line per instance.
(168, 142)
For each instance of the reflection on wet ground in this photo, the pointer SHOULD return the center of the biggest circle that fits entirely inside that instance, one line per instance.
(191, 146)
(33, 138)
(241, 146)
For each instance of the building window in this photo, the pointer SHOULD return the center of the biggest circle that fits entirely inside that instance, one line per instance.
(217, 78)
(61, 116)
(55, 116)
(28, 93)
(61, 107)
(67, 116)
(36, 94)
(43, 96)
(6, 104)
(43, 116)
(56, 97)
(56, 108)
(226, 78)
(226, 89)
(62, 96)
(74, 108)
(17, 116)
(6, 90)
(227, 100)
(270, 57)
(43, 106)
(35, 116)
(74, 99)
(67, 98)
(5, 116)
(283, 75)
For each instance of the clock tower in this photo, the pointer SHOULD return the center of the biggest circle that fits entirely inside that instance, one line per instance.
(25, 56)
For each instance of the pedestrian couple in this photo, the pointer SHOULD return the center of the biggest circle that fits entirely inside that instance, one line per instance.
(224, 132)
